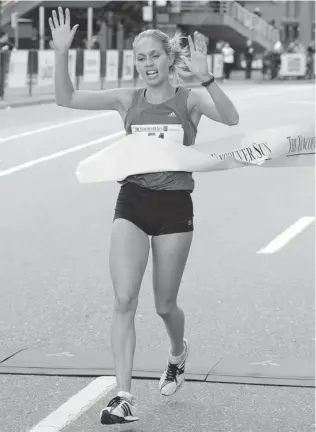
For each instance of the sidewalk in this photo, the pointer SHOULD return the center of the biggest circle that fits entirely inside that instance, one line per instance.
(19, 97)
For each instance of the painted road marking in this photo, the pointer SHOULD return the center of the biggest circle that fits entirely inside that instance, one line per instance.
(54, 126)
(79, 120)
(32, 163)
(284, 238)
(60, 154)
(77, 405)
(302, 102)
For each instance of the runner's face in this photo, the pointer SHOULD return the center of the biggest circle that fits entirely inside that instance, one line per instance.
(152, 62)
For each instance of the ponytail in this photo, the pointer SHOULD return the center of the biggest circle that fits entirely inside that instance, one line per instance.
(179, 70)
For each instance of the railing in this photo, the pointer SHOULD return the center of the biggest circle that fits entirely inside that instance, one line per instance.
(188, 6)
(7, 3)
(204, 6)
(238, 13)
(253, 22)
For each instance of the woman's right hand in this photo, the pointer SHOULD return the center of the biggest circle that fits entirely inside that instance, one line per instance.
(61, 33)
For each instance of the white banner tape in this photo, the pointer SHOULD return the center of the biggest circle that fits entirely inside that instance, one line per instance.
(146, 152)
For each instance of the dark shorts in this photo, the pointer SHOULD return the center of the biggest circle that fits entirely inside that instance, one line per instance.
(156, 212)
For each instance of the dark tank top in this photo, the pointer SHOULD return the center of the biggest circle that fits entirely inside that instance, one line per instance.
(170, 117)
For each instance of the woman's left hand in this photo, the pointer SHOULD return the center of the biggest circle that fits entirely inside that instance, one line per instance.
(198, 62)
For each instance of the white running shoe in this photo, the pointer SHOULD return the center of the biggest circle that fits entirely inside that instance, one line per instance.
(119, 410)
(173, 376)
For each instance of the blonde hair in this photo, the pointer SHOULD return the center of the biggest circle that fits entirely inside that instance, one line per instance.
(178, 70)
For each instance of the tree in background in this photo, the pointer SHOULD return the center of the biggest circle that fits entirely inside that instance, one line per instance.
(127, 13)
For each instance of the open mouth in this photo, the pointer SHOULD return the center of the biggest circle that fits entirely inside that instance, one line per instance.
(152, 73)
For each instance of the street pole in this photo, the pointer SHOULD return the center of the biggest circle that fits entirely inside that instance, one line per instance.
(89, 27)
(41, 27)
(154, 12)
(0, 17)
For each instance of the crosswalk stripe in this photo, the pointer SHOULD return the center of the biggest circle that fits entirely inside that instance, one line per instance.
(77, 405)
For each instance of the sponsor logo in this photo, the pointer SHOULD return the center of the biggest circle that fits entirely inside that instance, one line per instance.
(157, 128)
(301, 145)
(172, 114)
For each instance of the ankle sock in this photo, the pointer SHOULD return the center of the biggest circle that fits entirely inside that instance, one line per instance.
(178, 359)
(126, 395)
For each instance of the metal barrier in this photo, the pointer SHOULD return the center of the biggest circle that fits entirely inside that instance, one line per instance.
(36, 68)
(4, 69)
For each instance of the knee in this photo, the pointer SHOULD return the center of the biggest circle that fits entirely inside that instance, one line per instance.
(166, 309)
(125, 303)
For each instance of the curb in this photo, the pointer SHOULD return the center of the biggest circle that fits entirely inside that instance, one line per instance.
(205, 368)
(25, 103)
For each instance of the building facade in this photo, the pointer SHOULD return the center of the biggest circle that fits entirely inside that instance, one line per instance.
(233, 21)
(295, 18)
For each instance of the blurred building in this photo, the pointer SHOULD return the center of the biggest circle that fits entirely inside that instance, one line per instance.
(295, 19)
(227, 21)
(264, 22)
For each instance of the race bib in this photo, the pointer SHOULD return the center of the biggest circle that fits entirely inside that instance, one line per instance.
(172, 132)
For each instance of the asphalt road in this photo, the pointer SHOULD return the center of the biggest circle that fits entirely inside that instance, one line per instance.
(55, 287)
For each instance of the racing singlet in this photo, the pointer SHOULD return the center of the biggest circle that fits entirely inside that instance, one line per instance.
(167, 119)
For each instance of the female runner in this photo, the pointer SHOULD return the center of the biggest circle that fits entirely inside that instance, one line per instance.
(155, 204)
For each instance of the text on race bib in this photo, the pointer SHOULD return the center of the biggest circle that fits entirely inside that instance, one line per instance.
(173, 132)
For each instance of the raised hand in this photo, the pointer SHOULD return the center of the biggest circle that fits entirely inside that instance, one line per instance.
(62, 34)
(198, 61)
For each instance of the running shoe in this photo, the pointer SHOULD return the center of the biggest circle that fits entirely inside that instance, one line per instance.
(173, 376)
(119, 410)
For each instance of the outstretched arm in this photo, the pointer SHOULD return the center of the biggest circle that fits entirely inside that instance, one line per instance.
(66, 95)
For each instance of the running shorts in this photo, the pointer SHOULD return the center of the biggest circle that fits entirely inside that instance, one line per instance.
(156, 212)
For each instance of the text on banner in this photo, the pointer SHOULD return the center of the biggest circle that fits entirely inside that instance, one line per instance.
(293, 64)
(112, 60)
(91, 67)
(46, 68)
(128, 65)
(18, 69)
